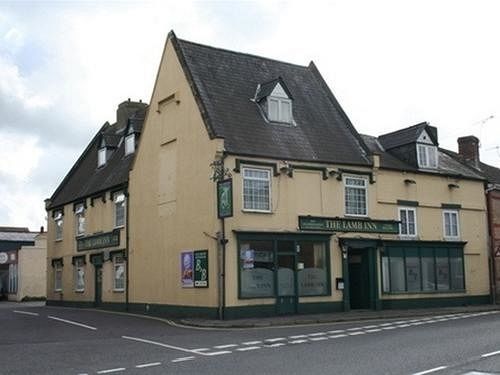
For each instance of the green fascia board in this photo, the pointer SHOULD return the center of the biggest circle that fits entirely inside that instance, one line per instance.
(418, 303)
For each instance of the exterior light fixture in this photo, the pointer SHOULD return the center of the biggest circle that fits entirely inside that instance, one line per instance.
(409, 182)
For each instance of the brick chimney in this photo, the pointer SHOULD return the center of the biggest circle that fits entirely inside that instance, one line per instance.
(127, 109)
(468, 148)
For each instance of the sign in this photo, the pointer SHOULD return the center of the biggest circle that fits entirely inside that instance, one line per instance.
(497, 252)
(348, 225)
(224, 198)
(201, 269)
(248, 258)
(187, 269)
(97, 241)
(3, 258)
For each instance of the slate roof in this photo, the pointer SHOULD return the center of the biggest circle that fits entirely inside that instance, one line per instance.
(489, 172)
(85, 179)
(448, 165)
(406, 135)
(20, 235)
(224, 84)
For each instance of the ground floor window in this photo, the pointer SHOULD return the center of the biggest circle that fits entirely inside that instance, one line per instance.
(79, 276)
(422, 269)
(58, 270)
(118, 273)
(283, 266)
(13, 278)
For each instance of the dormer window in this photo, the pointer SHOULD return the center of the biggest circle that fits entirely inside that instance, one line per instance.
(275, 101)
(101, 157)
(130, 144)
(427, 156)
(279, 109)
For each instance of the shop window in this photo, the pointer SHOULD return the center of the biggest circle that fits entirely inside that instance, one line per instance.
(118, 273)
(451, 225)
(408, 222)
(422, 269)
(119, 199)
(312, 269)
(256, 269)
(256, 189)
(80, 219)
(355, 196)
(58, 222)
(79, 276)
(58, 270)
(427, 156)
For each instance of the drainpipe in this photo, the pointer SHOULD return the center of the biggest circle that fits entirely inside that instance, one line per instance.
(127, 240)
(222, 241)
(491, 258)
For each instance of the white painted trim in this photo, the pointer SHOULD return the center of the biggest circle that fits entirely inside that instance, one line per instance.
(458, 236)
(409, 236)
(359, 177)
(270, 181)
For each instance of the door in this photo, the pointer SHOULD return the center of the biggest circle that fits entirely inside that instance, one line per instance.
(98, 285)
(359, 279)
(287, 278)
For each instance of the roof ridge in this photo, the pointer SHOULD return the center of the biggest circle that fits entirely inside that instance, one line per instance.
(241, 53)
(403, 129)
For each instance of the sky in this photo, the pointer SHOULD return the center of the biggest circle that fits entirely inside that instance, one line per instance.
(65, 67)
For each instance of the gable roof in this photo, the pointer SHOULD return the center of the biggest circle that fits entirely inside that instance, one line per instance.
(224, 84)
(265, 89)
(489, 172)
(84, 179)
(407, 135)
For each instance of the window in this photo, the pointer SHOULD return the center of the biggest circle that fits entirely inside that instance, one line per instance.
(279, 109)
(101, 157)
(451, 227)
(256, 189)
(257, 269)
(415, 269)
(58, 221)
(80, 219)
(118, 273)
(58, 269)
(408, 225)
(119, 199)
(427, 156)
(12, 279)
(355, 196)
(130, 144)
(79, 267)
(312, 269)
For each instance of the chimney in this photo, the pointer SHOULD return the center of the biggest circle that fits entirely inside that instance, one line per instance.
(127, 109)
(468, 149)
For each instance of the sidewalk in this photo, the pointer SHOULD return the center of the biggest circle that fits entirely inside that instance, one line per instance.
(18, 305)
(336, 317)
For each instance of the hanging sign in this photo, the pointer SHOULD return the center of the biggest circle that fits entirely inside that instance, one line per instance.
(348, 225)
(225, 198)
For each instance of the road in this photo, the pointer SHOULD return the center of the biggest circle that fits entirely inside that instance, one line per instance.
(50, 340)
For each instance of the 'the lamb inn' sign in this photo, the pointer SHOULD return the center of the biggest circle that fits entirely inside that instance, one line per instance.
(336, 224)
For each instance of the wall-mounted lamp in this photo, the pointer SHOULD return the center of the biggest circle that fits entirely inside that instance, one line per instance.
(453, 186)
(331, 171)
(286, 168)
(410, 182)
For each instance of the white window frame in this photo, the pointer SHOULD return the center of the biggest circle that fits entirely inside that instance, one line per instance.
(428, 149)
(407, 235)
(280, 110)
(457, 215)
(365, 179)
(119, 197)
(80, 213)
(58, 233)
(117, 263)
(58, 270)
(269, 181)
(130, 144)
(101, 157)
(79, 266)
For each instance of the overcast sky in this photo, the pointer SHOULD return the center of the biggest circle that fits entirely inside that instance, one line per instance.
(65, 66)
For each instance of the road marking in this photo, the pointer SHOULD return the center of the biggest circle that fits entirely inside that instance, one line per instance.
(183, 359)
(275, 345)
(373, 330)
(252, 342)
(225, 346)
(298, 336)
(431, 370)
(276, 339)
(403, 326)
(111, 370)
(164, 345)
(389, 328)
(71, 322)
(385, 324)
(217, 353)
(356, 333)
(248, 348)
(337, 331)
(490, 354)
(200, 350)
(354, 329)
(316, 334)
(297, 341)
(318, 338)
(144, 365)
(337, 336)
(368, 327)
(26, 313)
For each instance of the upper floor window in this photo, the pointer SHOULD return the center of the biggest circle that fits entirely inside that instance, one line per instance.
(80, 219)
(279, 109)
(58, 221)
(257, 189)
(119, 200)
(427, 156)
(408, 219)
(130, 144)
(356, 196)
(451, 224)
(101, 157)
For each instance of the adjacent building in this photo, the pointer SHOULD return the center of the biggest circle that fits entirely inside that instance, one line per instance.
(252, 193)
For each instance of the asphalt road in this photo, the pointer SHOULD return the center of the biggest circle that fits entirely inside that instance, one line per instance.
(49, 340)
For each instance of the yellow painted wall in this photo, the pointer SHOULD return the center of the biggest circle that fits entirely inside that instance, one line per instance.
(32, 269)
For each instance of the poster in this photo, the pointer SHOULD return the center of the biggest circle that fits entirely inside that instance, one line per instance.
(187, 269)
(201, 269)
(248, 258)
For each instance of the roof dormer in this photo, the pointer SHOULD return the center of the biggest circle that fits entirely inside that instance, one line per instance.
(275, 101)
(427, 155)
(106, 144)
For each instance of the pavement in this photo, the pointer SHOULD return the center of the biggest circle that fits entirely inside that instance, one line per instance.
(335, 317)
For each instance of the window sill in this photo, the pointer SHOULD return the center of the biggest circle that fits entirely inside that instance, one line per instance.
(58, 240)
(119, 226)
(256, 211)
(118, 290)
(356, 216)
(405, 237)
(456, 291)
(57, 290)
(80, 291)
(451, 239)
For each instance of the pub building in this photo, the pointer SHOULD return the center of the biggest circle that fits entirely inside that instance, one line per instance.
(252, 194)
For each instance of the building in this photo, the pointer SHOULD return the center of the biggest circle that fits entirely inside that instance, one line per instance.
(251, 194)
(23, 257)
(87, 225)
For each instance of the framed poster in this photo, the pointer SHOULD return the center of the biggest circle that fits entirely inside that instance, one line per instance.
(201, 269)
(187, 275)
(225, 198)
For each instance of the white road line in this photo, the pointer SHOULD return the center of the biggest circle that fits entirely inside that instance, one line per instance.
(318, 338)
(217, 353)
(316, 334)
(225, 346)
(297, 336)
(274, 345)
(337, 336)
(490, 354)
(385, 324)
(431, 370)
(368, 327)
(248, 348)
(297, 341)
(164, 345)
(144, 365)
(26, 313)
(252, 342)
(354, 329)
(71, 322)
(183, 359)
(200, 350)
(403, 326)
(111, 370)
(356, 333)
(389, 328)
(373, 330)
(276, 339)
(337, 331)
